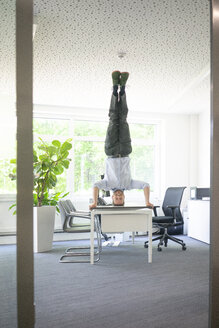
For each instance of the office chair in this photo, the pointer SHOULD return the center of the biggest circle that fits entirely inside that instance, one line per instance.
(172, 219)
(69, 217)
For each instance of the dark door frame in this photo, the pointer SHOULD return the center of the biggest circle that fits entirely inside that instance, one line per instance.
(24, 80)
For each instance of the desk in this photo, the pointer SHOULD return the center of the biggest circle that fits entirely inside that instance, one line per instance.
(114, 219)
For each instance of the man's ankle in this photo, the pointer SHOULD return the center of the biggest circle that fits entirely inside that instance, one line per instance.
(115, 90)
(122, 90)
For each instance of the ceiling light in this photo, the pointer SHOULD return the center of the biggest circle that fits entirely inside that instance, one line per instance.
(121, 54)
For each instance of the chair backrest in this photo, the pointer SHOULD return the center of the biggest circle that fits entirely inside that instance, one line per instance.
(63, 212)
(173, 197)
(101, 201)
(65, 207)
(70, 205)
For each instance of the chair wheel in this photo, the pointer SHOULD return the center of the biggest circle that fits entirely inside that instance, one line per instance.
(145, 244)
(184, 248)
(159, 249)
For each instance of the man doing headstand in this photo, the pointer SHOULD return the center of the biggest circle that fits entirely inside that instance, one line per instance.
(118, 147)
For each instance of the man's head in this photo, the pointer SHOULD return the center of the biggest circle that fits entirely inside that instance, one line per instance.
(118, 198)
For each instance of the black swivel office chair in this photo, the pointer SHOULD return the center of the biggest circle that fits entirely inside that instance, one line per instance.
(172, 219)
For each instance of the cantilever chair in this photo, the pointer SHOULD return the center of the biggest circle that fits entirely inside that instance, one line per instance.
(172, 219)
(69, 217)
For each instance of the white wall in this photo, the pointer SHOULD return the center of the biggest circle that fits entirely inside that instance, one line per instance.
(179, 151)
(7, 219)
(176, 151)
(204, 149)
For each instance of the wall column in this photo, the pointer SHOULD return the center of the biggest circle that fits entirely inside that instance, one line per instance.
(214, 226)
(24, 86)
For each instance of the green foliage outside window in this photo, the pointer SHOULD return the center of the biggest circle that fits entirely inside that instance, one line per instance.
(43, 126)
(86, 128)
(142, 131)
(142, 164)
(89, 164)
(5, 182)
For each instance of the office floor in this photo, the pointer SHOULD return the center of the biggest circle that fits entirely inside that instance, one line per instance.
(122, 290)
(8, 239)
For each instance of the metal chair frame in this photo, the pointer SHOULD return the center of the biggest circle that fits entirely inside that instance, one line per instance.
(68, 213)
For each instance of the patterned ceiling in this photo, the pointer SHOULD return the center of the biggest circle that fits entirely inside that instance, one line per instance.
(76, 45)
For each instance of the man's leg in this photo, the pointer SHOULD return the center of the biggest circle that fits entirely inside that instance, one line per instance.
(112, 134)
(124, 133)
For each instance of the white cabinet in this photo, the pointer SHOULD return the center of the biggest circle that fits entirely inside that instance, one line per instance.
(199, 220)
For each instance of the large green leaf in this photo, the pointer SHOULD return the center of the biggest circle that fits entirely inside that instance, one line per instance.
(43, 157)
(35, 158)
(64, 154)
(44, 166)
(52, 179)
(56, 143)
(65, 163)
(55, 170)
(66, 194)
(43, 147)
(60, 169)
(65, 146)
(52, 150)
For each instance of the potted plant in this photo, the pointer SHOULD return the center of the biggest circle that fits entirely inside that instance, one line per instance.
(49, 161)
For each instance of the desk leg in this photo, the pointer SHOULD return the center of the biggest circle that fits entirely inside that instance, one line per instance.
(92, 238)
(133, 237)
(149, 238)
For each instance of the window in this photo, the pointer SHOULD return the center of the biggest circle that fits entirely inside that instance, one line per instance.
(144, 157)
(88, 164)
(87, 153)
(8, 151)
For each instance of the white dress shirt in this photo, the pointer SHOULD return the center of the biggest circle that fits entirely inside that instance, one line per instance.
(118, 176)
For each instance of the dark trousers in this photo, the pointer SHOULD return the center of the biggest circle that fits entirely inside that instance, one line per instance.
(118, 141)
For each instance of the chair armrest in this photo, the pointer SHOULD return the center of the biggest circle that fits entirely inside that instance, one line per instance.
(173, 206)
(155, 209)
(79, 214)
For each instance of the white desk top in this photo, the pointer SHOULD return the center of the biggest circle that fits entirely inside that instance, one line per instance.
(120, 210)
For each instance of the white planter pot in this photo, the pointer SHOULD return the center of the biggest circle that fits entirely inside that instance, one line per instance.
(44, 220)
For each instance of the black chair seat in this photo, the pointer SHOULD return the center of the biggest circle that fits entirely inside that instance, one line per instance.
(163, 219)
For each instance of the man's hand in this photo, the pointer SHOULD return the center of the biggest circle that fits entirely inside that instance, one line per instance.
(147, 197)
(93, 205)
(95, 198)
(150, 205)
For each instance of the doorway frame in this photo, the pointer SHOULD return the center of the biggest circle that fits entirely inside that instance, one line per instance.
(24, 82)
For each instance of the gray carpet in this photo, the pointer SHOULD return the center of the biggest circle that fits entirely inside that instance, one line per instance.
(121, 291)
